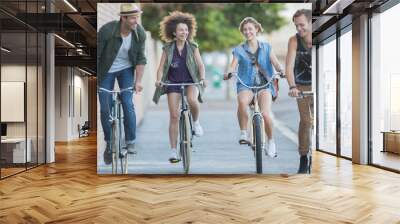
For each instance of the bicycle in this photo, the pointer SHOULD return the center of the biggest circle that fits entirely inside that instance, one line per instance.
(257, 130)
(186, 131)
(118, 152)
(304, 94)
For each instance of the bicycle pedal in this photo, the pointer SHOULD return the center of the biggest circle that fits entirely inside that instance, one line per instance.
(243, 142)
(174, 160)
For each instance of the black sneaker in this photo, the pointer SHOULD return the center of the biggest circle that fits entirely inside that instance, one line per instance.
(107, 156)
(303, 167)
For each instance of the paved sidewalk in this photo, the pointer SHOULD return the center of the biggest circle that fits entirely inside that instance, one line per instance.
(218, 151)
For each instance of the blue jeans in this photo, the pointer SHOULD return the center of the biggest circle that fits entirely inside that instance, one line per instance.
(125, 80)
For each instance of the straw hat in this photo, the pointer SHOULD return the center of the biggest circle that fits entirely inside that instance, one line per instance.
(128, 9)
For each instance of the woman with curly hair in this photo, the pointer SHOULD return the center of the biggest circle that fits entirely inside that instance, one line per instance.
(253, 58)
(180, 63)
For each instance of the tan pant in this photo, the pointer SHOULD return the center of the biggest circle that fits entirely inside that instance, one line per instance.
(306, 110)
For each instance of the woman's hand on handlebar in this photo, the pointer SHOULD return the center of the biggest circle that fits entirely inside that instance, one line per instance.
(158, 83)
(203, 82)
(227, 75)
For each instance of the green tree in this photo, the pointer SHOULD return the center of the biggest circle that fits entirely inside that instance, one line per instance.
(217, 23)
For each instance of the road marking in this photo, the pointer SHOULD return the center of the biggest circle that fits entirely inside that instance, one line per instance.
(284, 129)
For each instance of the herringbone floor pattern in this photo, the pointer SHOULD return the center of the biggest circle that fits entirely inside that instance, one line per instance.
(70, 191)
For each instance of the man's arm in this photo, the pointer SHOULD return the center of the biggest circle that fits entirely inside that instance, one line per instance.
(290, 60)
(141, 57)
(139, 75)
(101, 42)
(141, 62)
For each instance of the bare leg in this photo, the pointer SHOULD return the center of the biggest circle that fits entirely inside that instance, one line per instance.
(244, 98)
(264, 101)
(192, 94)
(173, 106)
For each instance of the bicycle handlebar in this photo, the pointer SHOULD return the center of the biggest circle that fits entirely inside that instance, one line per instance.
(180, 84)
(277, 75)
(115, 91)
(303, 94)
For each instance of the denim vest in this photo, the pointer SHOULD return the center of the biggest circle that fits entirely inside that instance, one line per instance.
(190, 63)
(247, 71)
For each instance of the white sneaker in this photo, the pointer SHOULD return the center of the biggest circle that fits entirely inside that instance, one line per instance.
(265, 147)
(271, 148)
(243, 137)
(173, 158)
(198, 130)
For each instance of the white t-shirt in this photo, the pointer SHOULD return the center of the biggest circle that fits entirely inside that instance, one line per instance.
(122, 61)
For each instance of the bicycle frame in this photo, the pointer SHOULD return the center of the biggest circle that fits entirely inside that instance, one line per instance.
(257, 130)
(184, 108)
(255, 109)
(184, 105)
(116, 125)
(184, 121)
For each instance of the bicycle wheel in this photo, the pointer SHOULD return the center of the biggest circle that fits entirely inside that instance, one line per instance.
(186, 141)
(121, 156)
(257, 141)
(114, 146)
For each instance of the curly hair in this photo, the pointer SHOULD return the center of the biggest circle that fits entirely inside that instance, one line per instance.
(169, 23)
(250, 20)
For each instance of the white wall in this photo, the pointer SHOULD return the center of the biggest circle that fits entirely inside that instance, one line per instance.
(61, 103)
(17, 73)
(33, 126)
(80, 83)
(70, 83)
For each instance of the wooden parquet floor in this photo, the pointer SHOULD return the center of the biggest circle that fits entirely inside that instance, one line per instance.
(70, 191)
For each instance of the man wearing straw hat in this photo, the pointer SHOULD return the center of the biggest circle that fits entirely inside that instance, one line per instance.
(120, 56)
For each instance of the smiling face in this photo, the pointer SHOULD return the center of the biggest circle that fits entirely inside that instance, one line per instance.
(249, 31)
(130, 22)
(182, 32)
(303, 26)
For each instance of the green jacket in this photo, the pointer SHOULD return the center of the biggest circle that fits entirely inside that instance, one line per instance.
(109, 41)
(190, 63)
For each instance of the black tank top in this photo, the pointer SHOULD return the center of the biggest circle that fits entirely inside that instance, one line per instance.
(302, 65)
